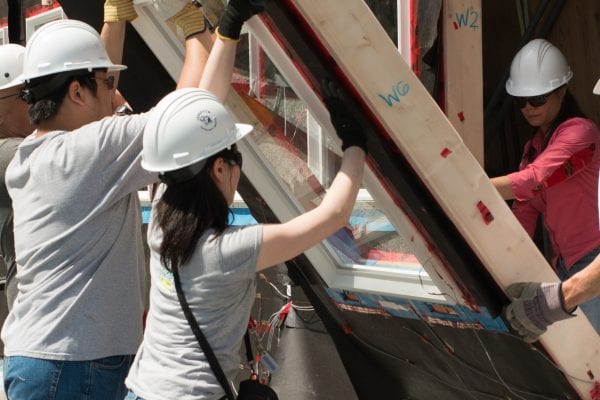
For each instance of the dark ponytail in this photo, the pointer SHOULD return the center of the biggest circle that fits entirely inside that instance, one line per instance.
(184, 213)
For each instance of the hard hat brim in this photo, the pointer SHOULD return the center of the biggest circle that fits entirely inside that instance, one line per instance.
(109, 68)
(515, 91)
(242, 130)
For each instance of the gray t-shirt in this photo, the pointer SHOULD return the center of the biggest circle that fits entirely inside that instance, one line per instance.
(219, 285)
(8, 148)
(78, 242)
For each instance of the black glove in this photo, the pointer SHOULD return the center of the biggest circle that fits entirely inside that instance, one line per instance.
(347, 127)
(236, 13)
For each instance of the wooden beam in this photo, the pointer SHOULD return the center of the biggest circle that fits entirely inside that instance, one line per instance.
(463, 71)
(404, 108)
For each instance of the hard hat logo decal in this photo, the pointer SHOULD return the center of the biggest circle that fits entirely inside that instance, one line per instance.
(208, 122)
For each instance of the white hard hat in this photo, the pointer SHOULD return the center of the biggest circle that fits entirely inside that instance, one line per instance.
(65, 45)
(597, 87)
(11, 65)
(188, 126)
(538, 68)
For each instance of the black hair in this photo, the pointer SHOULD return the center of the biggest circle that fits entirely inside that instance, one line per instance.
(186, 210)
(568, 109)
(45, 94)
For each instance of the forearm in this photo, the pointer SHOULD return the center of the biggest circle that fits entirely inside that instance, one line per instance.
(197, 49)
(504, 187)
(341, 196)
(583, 286)
(217, 73)
(113, 38)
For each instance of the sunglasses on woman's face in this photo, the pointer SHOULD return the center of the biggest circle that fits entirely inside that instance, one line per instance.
(534, 101)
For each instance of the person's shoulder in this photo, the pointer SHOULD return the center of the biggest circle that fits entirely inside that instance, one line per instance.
(239, 247)
(10, 143)
(111, 132)
(14, 139)
(240, 238)
(241, 233)
(243, 229)
(579, 127)
(114, 122)
(579, 122)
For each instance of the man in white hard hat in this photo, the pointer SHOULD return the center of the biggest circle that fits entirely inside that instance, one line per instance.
(14, 126)
(77, 319)
(537, 305)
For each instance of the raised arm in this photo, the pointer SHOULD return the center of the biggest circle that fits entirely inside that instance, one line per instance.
(287, 240)
(282, 242)
(219, 68)
(190, 19)
(116, 14)
(217, 73)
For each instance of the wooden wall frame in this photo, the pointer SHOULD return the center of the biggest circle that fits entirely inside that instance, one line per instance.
(404, 108)
(463, 71)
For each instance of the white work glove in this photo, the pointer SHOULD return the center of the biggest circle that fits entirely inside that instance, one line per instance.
(534, 307)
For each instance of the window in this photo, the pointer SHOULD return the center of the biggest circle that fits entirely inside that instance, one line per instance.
(292, 158)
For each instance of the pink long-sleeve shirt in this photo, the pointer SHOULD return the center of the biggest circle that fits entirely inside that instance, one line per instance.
(562, 183)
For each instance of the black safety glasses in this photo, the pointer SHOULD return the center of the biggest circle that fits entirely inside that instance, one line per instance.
(109, 81)
(534, 101)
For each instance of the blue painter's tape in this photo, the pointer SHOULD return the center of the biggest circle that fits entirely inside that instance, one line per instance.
(412, 309)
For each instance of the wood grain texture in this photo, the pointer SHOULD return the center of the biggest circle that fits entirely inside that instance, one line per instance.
(463, 71)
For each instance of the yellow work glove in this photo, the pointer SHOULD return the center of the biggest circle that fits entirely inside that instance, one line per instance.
(190, 19)
(213, 11)
(119, 10)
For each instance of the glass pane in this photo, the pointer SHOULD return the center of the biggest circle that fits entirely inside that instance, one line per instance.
(302, 155)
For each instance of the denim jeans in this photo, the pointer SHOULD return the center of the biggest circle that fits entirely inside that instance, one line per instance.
(591, 309)
(27, 378)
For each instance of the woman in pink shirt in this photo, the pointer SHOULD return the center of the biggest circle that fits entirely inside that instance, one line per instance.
(558, 174)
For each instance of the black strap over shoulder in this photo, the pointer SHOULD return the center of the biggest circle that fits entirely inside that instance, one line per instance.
(210, 356)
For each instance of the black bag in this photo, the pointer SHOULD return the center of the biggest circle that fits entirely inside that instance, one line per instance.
(250, 389)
